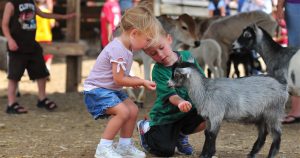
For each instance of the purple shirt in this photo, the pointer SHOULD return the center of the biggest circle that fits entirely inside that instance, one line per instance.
(101, 74)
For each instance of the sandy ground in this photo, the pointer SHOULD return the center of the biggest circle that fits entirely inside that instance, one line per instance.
(71, 132)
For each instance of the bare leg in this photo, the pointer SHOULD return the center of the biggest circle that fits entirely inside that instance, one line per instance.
(295, 110)
(121, 115)
(11, 91)
(128, 126)
(41, 88)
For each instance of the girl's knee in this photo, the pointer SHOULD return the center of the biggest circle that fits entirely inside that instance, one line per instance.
(124, 114)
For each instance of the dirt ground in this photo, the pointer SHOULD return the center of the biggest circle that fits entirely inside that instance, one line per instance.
(71, 132)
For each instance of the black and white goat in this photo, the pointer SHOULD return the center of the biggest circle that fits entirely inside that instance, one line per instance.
(276, 57)
(257, 99)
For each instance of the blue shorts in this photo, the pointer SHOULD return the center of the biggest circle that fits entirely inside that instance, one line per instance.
(99, 100)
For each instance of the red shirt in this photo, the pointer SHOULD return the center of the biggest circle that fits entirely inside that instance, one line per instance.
(110, 14)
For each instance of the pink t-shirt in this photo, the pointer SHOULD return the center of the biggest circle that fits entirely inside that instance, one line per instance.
(110, 14)
(101, 74)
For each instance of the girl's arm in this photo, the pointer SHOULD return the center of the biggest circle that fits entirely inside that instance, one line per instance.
(122, 80)
(54, 16)
(8, 12)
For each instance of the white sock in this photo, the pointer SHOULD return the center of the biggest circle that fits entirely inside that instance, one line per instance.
(124, 141)
(105, 142)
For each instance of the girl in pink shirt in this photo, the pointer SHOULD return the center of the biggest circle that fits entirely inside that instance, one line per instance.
(103, 88)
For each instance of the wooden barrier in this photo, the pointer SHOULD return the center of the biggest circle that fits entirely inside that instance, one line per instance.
(73, 53)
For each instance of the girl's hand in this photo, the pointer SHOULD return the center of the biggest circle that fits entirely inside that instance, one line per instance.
(150, 85)
(185, 106)
(12, 45)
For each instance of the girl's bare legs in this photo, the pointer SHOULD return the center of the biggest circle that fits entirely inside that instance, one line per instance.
(121, 114)
(129, 125)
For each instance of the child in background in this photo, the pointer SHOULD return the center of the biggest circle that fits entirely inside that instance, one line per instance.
(19, 27)
(109, 19)
(43, 31)
(103, 93)
(173, 115)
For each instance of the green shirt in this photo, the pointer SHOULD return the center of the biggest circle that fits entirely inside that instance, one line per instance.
(164, 112)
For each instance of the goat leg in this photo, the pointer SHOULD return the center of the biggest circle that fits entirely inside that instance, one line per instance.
(209, 148)
(262, 134)
(275, 146)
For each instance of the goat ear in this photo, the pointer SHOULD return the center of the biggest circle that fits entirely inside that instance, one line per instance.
(254, 26)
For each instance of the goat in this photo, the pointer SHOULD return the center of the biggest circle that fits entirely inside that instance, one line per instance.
(276, 57)
(249, 62)
(183, 30)
(202, 23)
(259, 100)
(209, 53)
(294, 74)
(227, 29)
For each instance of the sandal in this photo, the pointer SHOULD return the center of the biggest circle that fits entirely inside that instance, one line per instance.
(16, 108)
(293, 119)
(47, 104)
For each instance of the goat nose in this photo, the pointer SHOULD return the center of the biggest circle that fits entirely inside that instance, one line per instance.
(197, 43)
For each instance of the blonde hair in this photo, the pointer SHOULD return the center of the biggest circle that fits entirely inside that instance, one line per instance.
(141, 18)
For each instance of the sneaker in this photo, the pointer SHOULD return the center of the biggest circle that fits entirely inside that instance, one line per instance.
(106, 152)
(183, 145)
(141, 131)
(129, 151)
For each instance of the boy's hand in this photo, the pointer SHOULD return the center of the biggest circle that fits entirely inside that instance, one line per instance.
(150, 85)
(185, 106)
(12, 45)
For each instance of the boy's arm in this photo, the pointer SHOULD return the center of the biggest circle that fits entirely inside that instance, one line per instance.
(53, 16)
(8, 12)
(182, 104)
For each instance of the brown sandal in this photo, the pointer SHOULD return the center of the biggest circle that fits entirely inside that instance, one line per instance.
(16, 108)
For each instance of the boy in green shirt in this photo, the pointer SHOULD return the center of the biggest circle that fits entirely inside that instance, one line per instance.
(173, 116)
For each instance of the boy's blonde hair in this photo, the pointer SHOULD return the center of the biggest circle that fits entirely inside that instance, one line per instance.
(142, 19)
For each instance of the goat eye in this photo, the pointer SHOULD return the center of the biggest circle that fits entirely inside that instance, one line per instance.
(247, 35)
(183, 27)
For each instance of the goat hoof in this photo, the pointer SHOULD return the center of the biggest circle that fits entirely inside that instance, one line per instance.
(206, 156)
(251, 156)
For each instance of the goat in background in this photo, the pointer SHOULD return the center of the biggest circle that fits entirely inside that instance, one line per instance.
(209, 53)
(276, 57)
(227, 29)
(257, 99)
(294, 74)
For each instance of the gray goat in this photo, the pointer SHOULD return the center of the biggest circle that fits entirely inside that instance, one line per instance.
(276, 57)
(259, 100)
